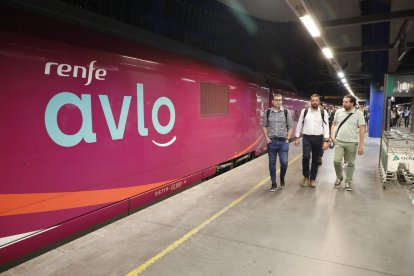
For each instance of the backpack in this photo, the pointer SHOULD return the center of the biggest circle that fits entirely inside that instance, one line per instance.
(322, 114)
(284, 111)
(332, 116)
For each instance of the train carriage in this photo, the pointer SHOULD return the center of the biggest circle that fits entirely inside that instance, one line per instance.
(96, 126)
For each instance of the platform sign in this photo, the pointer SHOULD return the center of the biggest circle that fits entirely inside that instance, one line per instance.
(400, 85)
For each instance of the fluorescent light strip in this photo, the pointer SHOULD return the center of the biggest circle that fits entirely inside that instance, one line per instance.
(310, 25)
(327, 52)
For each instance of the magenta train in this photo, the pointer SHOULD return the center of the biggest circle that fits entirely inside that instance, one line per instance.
(95, 127)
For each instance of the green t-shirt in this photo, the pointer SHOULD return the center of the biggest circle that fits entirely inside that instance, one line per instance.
(349, 131)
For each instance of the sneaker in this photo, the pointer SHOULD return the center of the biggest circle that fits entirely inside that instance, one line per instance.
(282, 184)
(348, 186)
(338, 183)
(305, 182)
(312, 183)
(273, 188)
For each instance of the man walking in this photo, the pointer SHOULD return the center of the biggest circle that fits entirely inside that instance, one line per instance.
(347, 123)
(315, 130)
(406, 115)
(277, 129)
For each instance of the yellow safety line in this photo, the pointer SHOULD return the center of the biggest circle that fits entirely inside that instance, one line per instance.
(195, 230)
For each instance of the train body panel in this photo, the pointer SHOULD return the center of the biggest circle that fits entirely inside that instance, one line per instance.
(87, 131)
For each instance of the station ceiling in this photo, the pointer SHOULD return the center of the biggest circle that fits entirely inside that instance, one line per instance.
(369, 38)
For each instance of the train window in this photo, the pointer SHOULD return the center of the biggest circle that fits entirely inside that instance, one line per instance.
(214, 99)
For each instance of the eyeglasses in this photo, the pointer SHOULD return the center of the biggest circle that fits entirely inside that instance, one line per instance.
(278, 100)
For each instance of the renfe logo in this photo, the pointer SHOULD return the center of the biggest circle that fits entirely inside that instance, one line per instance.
(117, 131)
(66, 70)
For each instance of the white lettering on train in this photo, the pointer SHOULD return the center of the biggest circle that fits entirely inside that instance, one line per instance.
(67, 70)
(84, 104)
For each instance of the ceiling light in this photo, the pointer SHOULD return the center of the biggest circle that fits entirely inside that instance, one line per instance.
(327, 52)
(344, 80)
(307, 20)
(341, 75)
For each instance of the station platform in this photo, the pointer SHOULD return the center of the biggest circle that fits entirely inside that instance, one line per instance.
(233, 225)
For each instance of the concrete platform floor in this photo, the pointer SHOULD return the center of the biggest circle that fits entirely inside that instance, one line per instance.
(295, 231)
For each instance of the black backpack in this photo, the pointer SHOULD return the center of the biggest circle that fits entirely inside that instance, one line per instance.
(284, 111)
(322, 114)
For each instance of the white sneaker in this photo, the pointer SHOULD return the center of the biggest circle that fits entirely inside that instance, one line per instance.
(338, 183)
(348, 186)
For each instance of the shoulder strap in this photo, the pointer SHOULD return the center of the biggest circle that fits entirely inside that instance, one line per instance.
(304, 115)
(323, 115)
(267, 116)
(336, 133)
(286, 112)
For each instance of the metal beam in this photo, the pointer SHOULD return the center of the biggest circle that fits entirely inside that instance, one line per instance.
(367, 19)
(402, 32)
(369, 48)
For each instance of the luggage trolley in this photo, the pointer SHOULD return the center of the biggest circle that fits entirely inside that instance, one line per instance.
(397, 157)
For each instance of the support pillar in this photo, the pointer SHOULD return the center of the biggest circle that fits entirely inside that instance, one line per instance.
(376, 107)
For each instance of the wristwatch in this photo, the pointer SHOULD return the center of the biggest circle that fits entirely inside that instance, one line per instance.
(287, 141)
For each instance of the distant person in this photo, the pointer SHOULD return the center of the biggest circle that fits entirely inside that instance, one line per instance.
(393, 117)
(331, 114)
(366, 117)
(277, 129)
(315, 131)
(346, 124)
(397, 117)
(400, 116)
(406, 115)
